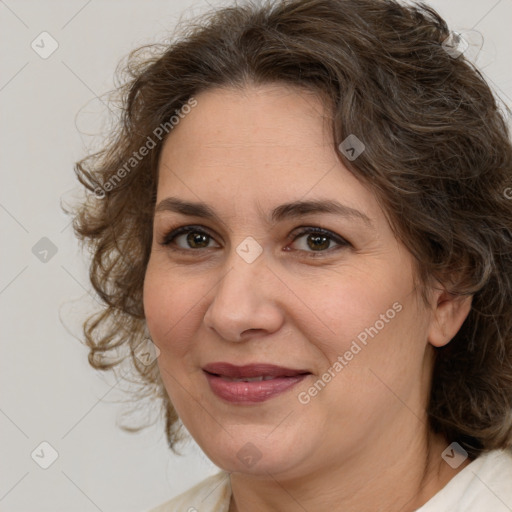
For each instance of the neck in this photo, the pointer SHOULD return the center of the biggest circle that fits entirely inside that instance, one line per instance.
(401, 481)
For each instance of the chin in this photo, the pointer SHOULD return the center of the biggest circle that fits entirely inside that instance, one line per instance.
(258, 454)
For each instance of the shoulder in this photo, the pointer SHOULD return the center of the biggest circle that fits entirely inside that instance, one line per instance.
(210, 495)
(493, 480)
(485, 484)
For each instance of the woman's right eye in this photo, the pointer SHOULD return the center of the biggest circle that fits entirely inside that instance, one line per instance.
(187, 238)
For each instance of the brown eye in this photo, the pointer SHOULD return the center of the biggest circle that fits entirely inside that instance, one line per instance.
(319, 240)
(197, 240)
(191, 238)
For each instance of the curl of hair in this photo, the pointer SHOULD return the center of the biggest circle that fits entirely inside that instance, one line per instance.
(438, 158)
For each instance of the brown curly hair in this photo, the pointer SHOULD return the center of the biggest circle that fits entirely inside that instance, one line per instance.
(438, 158)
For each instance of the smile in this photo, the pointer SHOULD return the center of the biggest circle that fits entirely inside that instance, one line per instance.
(251, 383)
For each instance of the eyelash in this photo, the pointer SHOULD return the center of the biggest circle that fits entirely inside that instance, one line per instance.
(170, 237)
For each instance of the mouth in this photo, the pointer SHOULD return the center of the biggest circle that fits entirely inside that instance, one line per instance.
(251, 383)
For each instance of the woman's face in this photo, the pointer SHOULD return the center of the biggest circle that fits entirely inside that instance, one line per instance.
(332, 319)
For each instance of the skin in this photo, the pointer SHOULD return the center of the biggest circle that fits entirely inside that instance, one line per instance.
(362, 443)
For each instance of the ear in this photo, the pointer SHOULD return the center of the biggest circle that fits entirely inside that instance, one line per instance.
(449, 314)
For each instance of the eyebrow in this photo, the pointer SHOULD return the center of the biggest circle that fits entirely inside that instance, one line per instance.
(294, 209)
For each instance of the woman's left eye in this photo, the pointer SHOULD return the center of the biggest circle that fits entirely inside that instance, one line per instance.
(319, 240)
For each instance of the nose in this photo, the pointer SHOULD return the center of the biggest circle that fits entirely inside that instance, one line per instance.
(245, 301)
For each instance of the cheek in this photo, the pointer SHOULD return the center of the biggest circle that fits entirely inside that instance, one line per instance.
(380, 334)
(173, 305)
(155, 302)
(382, 351)
(167, 313)
(162, 306)
(345, 308)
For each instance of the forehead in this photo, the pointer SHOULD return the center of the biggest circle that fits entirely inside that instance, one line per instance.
(261, 145)
(272, 121)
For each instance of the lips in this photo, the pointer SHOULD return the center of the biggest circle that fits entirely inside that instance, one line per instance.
(251, 383)
(251, 371)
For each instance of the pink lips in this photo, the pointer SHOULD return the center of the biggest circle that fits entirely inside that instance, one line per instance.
(276, 380)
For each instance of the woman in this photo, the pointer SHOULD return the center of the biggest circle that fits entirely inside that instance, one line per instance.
(304, 207)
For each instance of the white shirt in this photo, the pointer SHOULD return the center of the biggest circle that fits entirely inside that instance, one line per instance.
(484, 485)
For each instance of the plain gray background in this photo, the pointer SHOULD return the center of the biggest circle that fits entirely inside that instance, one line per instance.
(49, 111)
